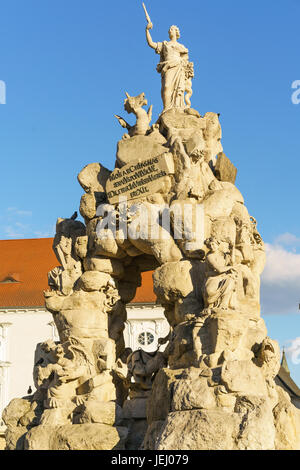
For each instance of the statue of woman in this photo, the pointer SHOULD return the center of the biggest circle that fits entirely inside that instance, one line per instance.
(220, 287)
(175, 69)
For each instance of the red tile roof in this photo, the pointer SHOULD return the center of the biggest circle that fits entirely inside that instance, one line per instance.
(145, 294)
(27, 262)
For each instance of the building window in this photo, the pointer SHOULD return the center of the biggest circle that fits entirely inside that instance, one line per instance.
(145, 338)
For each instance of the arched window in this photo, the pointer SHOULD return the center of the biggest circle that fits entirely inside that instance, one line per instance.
(145, 338)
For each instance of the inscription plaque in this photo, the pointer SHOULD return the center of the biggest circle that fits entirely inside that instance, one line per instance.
(139, 178)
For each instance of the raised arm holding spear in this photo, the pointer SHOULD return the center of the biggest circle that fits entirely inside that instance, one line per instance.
(148, 27)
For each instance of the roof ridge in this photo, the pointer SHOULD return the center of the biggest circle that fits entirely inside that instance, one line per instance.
(24, 239)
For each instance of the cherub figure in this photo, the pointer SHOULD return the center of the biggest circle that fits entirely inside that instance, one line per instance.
(134, 104)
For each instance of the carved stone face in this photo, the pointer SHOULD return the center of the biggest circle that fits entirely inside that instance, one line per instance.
(140, 100)
(66, 245)
(214, 246)
(174, 32)
(132, 103)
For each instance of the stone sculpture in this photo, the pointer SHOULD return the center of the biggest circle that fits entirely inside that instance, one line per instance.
(221, 285)
(175, 69)
(184, 218)
(142, 368)
(134, 104)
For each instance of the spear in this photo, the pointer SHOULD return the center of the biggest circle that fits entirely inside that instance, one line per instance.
(146, 13)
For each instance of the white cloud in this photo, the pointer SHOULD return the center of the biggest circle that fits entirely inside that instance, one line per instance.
(281, 266)
(12, 232)
(280, 288)
(24, 213)
(22, 226)
(46, 234)
(287, 239)
(15, 211)
(16, 227)
(293, 351)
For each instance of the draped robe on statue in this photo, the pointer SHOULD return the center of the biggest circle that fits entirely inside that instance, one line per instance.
(172, 67)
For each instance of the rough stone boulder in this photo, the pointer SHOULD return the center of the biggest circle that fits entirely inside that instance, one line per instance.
(90, 436)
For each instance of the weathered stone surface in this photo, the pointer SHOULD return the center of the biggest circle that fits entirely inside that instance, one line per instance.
(227, 330)
(76, 437)
(187, 218)
(153, 239)
(172, 280)
(256, 332)
(243, 377)
(192, 394)
(93, 177)
(105, 265)
(103, 243)
(152, 435)
(40, 438)
(15, 410)
(101, 412)
(2, 443)
(90, 437)
(15, 437)
(224, 169)
(88, 206)
(220, 203)
(232, 331)
(82, 299)
(141, 146)
(199, 430)
(256, 429)
(287, 423)
(183, 123)
(20, 415)
(93, 281)
(199, 134)
(159, 403)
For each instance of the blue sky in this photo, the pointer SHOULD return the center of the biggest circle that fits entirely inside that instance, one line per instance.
(67, 64)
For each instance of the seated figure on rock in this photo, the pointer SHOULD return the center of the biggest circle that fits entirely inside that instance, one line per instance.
(221, 284)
